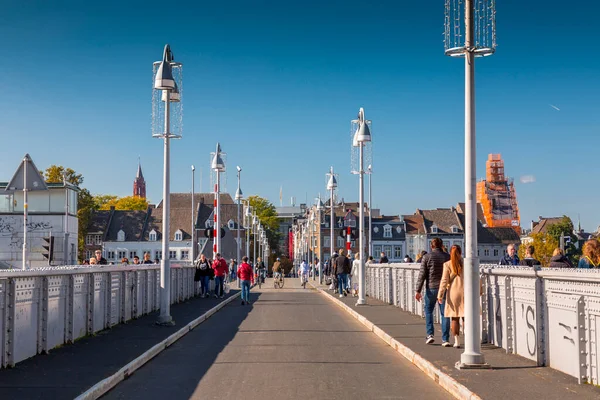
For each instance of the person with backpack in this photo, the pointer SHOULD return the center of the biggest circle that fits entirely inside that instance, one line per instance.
(203, 275)
(220, 268)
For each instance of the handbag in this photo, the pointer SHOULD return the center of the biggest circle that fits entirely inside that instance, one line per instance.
(226, 287)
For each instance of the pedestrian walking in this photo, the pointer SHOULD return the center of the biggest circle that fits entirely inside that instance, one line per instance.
(452, 286)
(591, 255)
(529, 260)
(202, 275)
(246, 276)
(559, 260)
(232, 270)
(342, 269)
(220, 268)
(354, 275)
(147, 259)
(430, 275)
(511, 257)
(420, 256)
(383, 259)
(303, 273)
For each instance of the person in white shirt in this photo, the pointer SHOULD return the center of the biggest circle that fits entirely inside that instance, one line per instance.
(354, 275)
(303, 273)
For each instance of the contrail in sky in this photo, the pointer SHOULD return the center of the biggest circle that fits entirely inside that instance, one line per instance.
(556, 108)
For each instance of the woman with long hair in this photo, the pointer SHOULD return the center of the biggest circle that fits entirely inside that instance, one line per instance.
(591, 255)
(452, 286)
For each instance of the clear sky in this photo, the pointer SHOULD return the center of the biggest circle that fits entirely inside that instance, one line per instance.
(277, 83)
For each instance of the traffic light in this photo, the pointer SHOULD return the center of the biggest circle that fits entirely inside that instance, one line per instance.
(48, 246)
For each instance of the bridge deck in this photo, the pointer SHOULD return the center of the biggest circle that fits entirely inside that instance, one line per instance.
(290, 343)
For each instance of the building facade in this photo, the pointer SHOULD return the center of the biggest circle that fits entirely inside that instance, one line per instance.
(52, 224)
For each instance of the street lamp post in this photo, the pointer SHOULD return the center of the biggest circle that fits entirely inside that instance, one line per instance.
(238, 198)
(247, 227)
(218, 165)
(164, 81)
(331, 186)
(193, 218)
(477, 39)
(361, 136)
(319, 212)
(370, 173)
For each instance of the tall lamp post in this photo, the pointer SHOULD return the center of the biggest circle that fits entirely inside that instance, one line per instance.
(319, 213)
(247, 227)
(193, 218)
(362, 135)
(218, 165)
(164, 81)
(478, 38)
(238, 198)
(331, 186)
(370, 173)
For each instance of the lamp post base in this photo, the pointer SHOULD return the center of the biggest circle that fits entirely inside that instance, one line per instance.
(165, 321)
(361, 302)
(461, 365)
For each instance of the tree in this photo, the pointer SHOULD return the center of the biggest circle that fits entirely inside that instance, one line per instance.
(267, 214)
(55, 173)
(564, 228)
(544, 245)
(104, 202)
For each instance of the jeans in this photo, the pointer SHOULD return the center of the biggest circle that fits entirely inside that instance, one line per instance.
(342, 282)
(245, 291)
(219, 285)
(204, 285)
(430, 302)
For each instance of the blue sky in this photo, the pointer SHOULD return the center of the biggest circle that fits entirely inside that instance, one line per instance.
(277, 83)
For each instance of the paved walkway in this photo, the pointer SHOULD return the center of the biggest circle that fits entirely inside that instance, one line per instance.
(511, 376)
(288, 344)
(68, 371)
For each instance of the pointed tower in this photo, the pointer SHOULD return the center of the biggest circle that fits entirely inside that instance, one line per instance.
(139, 184)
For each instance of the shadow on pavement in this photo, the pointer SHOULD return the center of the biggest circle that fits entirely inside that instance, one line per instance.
(70, 370)
(176, 372)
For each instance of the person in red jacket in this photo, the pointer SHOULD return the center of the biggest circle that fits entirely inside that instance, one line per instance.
(220, 267)
(246, 277)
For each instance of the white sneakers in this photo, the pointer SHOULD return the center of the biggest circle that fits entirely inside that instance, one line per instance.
(429, 339)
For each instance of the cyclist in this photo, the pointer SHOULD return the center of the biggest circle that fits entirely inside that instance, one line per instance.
(303, 273)
(277, 268)
(260, 269)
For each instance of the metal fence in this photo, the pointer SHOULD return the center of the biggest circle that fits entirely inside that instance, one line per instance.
(44, 308)
(551, 316)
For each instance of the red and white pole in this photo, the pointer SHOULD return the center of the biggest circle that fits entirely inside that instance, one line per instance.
(217, 220)
(348, 240)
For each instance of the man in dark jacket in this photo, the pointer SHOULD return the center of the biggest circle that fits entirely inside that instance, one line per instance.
(383, 259)
(342, 269)
(101, 260)
(529, 260)
(511, 257)
(432, 267)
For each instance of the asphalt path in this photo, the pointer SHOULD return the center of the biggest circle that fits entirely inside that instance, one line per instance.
(290, 343)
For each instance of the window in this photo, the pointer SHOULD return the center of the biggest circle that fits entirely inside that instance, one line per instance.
(454, 229)
(172, 255)
(375, 229)
(132, 254)
(340, 242)
(110, 255)
(447, 245)
(88, 254)
(387, 231)
(486, 252)
(376, 250)
(158, 254)
(121, 236)
(178, 236)
(89, 240)
(98, 239)
(121, 254)
(495, 252)
(152, 236)
(387, 249)
(185, 254)
(434, 229)
(327, 241)
(231, 224)
(397, 252)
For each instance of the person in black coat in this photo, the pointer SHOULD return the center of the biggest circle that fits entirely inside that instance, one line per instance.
(342, 269)
(559, 260)
(203, 273)
(529, 261)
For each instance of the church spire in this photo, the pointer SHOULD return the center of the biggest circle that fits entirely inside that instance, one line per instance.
(139, 184)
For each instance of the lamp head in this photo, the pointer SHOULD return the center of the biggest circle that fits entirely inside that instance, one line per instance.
(164, 75)
(332, 184)
(363, 132)
(239, 169)
(193, 168)
(174, 95)
(217, 162)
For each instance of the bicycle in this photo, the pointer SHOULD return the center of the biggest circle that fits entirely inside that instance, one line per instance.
(278, 281)
(303, 280)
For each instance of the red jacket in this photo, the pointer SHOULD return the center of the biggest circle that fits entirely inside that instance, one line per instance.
(220, 267)
(245, 272)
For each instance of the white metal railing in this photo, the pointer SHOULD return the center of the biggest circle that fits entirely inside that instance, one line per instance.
(550, 316)
(43, 308)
